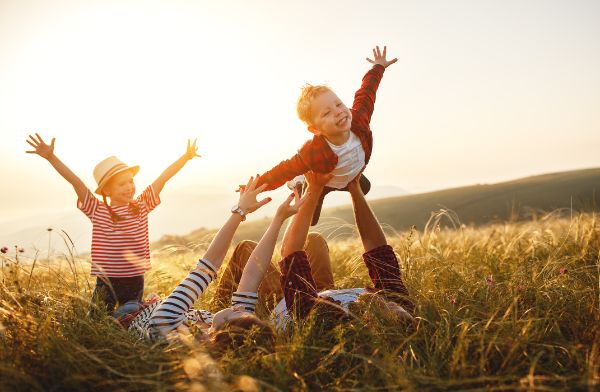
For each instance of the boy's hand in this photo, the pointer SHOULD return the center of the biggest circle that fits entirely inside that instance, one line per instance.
(379, 58)
(40, 147)
(191, 151)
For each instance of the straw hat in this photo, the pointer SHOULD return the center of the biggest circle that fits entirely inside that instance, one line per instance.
(109, 167)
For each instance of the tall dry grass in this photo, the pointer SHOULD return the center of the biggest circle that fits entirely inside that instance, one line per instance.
(507, 307)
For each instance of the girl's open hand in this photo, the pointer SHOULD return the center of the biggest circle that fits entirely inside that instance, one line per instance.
(379, 58)
(248, 202)
(191, 151)
(287, 209)
(40, 147)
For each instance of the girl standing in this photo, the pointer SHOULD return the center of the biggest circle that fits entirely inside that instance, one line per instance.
(120, 240)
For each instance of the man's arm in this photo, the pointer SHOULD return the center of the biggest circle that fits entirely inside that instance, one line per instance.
(191, 152)
(47, 152)
(297, 282)
(379, 257)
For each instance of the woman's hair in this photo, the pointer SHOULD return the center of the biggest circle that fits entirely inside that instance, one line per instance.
(249, 331)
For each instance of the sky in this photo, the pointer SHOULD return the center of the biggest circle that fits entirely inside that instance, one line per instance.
(483, 91)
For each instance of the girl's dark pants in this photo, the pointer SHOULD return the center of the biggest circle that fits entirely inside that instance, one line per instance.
(112, 290)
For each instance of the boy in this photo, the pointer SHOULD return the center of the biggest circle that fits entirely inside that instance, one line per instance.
(342, 141)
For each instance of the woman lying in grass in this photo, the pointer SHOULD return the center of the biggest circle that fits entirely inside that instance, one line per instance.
(306, 276)
(162, 317)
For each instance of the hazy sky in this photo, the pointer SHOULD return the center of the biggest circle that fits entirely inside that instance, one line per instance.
(483, 91)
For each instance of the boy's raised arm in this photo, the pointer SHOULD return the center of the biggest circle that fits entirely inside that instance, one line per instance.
(364, 99)
(190, 153)
(47, 152)
(380, 58)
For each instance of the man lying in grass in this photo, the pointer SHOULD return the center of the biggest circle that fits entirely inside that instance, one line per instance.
(228, 326)
(297, 281)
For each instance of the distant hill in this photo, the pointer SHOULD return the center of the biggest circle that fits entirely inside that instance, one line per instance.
(479, 204)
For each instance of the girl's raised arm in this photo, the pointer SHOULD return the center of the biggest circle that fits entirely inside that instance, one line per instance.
(47, 152)
(190, 153)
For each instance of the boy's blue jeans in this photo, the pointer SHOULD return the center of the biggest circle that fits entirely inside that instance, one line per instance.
(112, 290)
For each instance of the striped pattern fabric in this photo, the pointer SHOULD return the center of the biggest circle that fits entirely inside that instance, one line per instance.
(316, 154)
(120, 249)
(176, 310)
(160, 318)
(246, 299)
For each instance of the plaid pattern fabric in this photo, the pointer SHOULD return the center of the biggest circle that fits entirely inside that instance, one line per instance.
(385, 275)
(315, 154)
(299, 288)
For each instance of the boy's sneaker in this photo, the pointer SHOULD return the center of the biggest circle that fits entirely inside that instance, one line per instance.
(297, 183)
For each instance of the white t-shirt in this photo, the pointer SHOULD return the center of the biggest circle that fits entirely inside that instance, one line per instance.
(280, 316)
(351, 159)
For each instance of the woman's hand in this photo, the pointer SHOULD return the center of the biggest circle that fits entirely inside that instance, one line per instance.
(286, 209)
(248, 202)
(40, 147)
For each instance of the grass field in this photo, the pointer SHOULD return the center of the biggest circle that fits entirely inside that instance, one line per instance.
(476, 205)
(512, 306)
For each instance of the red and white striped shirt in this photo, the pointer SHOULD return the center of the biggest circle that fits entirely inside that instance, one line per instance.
(120, 249)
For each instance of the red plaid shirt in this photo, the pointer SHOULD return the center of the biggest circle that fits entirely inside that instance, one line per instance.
(301, 295)
(315, 154)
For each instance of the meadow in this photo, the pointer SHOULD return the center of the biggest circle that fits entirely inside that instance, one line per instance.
(505, 307)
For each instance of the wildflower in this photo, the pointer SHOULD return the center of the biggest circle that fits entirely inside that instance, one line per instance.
(4, 249)
(490, 281)
(453, 300)
(562, 270)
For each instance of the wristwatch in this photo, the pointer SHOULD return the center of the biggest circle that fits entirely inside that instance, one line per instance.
(237, 210)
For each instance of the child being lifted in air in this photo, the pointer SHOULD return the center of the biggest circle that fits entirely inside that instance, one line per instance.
(342, 141)
(120, 244)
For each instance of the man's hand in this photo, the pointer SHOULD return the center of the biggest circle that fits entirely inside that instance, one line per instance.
(379, 58)
(354, 184)
(317, 181)
(40, 147)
